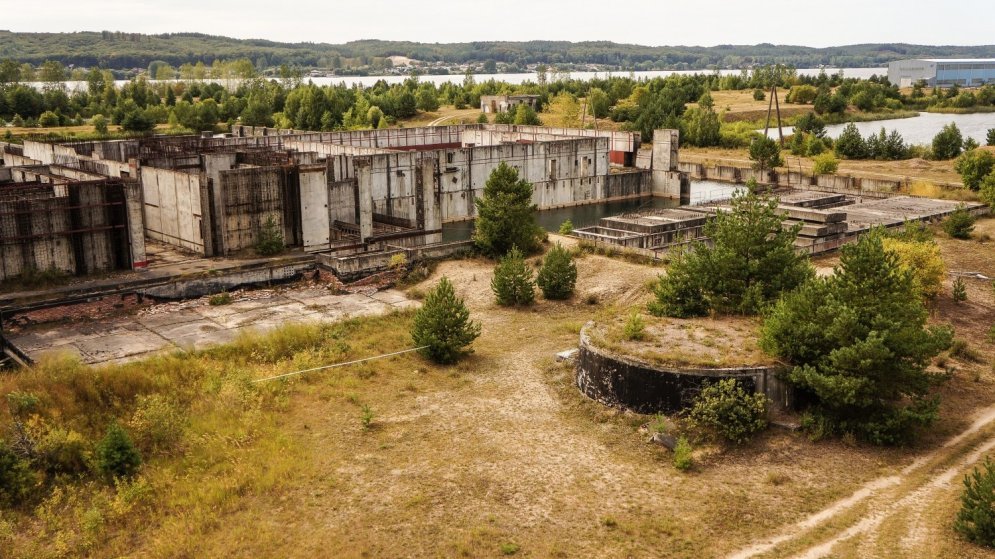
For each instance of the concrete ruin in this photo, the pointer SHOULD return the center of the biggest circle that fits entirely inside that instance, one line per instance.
(827, 221)
(506, 103)
(68, 219)
(368, 192)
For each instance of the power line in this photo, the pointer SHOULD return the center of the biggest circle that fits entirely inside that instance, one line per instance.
(339, 364)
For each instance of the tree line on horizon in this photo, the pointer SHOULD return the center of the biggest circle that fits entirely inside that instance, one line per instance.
(119, 50)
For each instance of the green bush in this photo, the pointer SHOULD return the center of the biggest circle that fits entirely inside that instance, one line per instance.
(986, 192)
(270, 238)
(683, 454)
(17, 480)
(974, 166)
(765, 153)
(948, 143)
(443, 325)
(990, 137)
(922, 259)
(635, 327)
(116, 455)
(99, 123)
(22, 404)
(558, 274)
(815, 146)
(825, 164)
(61, 452)
(158, 423)
(727, 410)
(566, 228)
(48, 119)
(976, 517)
(219, 299)
(512, 283)
(759, 95)
(959, 224)
(798, 145)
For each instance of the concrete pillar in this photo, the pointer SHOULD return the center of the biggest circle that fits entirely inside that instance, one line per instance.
(432, 215)
(668, 181)
(364, 183)
(136, 224)
(665, 143)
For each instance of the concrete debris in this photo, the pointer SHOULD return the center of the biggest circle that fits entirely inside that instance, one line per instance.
(664, 440)
(567, 355)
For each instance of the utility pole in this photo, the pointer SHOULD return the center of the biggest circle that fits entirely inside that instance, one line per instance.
(771, 104)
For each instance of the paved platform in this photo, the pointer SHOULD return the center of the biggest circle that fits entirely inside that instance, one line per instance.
(195, 324)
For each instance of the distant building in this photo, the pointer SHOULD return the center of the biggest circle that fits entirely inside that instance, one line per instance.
(939, 72)
(504, 103)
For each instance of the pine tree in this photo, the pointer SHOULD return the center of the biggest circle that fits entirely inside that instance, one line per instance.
(751, 261)
(558, 274)
(116, 454)
(976, 518)
(506, 214)
(443, 325)
(512, 283)
(859, 345)
(850, 144)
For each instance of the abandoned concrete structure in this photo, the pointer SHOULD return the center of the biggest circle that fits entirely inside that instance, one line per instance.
(66, 217)
(505, 103)
(828, 220)
(339, 193)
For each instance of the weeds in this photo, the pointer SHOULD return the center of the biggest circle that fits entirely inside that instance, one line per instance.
(683, 459)
(219, 299)
(635, 328)
(960, 349)
(366, 416)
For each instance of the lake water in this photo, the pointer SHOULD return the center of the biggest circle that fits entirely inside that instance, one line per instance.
(584, 216)
(919, 129)
(367, 81)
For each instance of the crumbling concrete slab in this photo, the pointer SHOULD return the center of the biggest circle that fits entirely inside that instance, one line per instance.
(196, 325)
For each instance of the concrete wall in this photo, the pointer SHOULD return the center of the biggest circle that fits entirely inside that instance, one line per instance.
(172, 208)
(617, 141)
(388, 138)
(565, 172)
(349, 268)
(621, 382)
(316, 214)
(247, 199)
(13, 160)
(77, 228)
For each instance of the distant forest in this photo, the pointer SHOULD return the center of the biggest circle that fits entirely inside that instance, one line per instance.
(117, 50)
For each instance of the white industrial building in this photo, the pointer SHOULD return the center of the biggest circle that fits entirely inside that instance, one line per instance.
(940, 72)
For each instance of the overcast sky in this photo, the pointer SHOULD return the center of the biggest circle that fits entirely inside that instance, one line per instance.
(646, 22)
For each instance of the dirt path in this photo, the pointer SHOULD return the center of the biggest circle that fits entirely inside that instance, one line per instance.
(895, 500)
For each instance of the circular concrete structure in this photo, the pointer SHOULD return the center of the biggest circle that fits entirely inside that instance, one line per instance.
(634, 384)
